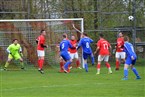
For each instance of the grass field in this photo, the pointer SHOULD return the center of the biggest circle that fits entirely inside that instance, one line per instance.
(30, 83)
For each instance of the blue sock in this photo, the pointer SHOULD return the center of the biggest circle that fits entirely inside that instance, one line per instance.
(66, 65)
(86, 67)
(125, 72)
(93, 60)
(135, 71)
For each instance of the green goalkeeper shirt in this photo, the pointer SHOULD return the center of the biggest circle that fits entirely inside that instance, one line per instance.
(14, 49)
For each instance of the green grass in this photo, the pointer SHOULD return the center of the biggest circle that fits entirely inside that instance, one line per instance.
(30, 83)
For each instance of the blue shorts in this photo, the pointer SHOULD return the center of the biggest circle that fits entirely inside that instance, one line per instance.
(65, 56)
(129, 61)
(85, 55)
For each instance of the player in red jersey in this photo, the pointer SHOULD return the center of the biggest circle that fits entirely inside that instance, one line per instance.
(119, 50)
(73, 51)
(40, 50)
(103, 46)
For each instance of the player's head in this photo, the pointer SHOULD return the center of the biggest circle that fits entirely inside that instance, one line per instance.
(43, 32)
(84, 35)
(126, 38)
(120, 34)
(64, 35)
(101, 35)
(72, 37)
(15, 41)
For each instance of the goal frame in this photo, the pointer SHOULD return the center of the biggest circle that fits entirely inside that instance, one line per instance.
(39, 20)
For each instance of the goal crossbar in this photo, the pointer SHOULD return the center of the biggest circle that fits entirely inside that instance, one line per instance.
(38, 20)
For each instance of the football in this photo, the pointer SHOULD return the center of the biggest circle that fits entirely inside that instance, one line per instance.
(131, 18)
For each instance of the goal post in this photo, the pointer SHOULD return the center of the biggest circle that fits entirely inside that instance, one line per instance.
(26, 31)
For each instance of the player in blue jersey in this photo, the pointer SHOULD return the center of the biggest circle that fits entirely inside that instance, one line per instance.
(87, 51)
(64, 45)
(130, 59)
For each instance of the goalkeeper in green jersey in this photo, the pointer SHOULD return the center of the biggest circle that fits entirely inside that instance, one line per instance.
(15, 52)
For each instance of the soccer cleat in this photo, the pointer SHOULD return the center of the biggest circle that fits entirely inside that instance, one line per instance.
(138, 77)
(61, 71)
(70, 67)
(79, 67)
(97, 73)
(41, 71)
(92, 64)
(65, 71)
(110, 72)
(125, 78)
(86, 70)
(117, 69)
(22, 68)
(5, 69)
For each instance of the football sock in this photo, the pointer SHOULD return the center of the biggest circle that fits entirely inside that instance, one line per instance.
(125, 72)
(98, 66)
(22, 64)
(7, 64)
(93, 60)
(41, 63)
(107, 65)
(117, 64)
(135, 71)
(66, 65)
(86, 67)
(78, 63)
(61, 65)
(38, 62)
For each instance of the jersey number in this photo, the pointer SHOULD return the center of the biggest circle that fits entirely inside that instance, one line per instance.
(62, 46)
(105, 46)
(87, 45)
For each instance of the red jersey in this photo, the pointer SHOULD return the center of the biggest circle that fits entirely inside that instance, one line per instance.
(74, 43)
(104, 46)
(41, 40)
(120, 43)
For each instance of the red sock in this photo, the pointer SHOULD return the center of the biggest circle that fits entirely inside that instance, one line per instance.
(78, 63)
(38, 62)
(117, 64)
(107, 65)
(41, 63)
(61, 65)
(98, 66)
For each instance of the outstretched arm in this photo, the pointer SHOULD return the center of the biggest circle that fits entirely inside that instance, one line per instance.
(97, 49)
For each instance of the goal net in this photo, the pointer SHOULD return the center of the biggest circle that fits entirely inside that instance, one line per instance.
(27, 30)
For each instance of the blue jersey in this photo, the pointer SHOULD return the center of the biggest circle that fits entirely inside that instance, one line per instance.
(85, 43)
(64, 45)
(128, 48)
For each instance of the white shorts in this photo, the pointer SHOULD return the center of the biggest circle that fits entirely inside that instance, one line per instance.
(40, 53)
(74, 55)
(101, 58)
(120, 55)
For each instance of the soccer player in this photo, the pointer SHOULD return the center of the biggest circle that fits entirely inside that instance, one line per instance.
(130, 59)
(64, 45)
(62, 61)
(73, 51)
(15, 52)
(119, 50)
(87, 51)
(103, 46)
(40, 50)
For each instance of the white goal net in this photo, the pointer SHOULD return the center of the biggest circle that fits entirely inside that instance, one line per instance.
(27, 30)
